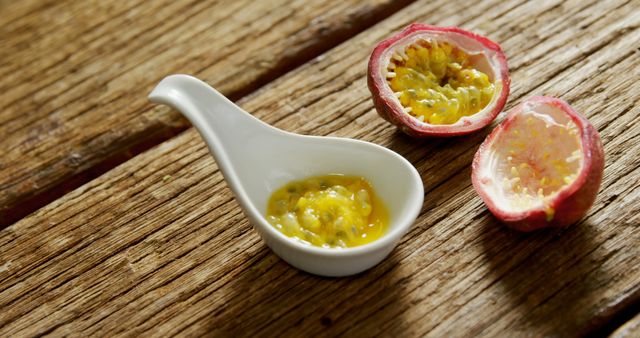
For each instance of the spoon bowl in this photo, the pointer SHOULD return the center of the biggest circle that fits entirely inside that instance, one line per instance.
(256, 159)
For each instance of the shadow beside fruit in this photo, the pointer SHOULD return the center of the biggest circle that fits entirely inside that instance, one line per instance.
(544, 278)
(272, 298)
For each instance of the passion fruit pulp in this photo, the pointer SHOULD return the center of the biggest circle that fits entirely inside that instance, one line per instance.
(541, 167)
(438, 81)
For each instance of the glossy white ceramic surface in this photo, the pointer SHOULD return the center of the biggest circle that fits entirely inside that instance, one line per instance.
(256, 159)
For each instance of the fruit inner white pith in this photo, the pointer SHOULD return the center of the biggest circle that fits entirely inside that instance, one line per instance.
(538, 154)
(437, 82)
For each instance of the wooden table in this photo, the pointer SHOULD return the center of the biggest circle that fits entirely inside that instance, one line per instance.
(116, 221)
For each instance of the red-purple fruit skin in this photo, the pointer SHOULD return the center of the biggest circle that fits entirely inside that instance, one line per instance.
(392, 112)
(573, 202)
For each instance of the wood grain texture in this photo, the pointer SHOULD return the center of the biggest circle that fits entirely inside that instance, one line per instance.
(158, 245)
(629, 330)
(74, 75)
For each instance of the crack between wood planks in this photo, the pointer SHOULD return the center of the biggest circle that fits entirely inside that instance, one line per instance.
(101, 187)
(21, 209)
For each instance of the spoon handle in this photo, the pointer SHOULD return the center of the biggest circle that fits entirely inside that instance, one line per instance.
(227, 129)
(220, 122)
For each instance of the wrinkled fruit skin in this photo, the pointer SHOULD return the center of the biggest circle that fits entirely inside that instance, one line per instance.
(390, 109)
(571, 204)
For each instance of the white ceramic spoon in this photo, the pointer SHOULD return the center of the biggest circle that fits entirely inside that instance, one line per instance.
(257, 159)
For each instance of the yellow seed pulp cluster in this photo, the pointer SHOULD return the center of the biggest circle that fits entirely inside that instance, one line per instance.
(332, 211)
(437, 83)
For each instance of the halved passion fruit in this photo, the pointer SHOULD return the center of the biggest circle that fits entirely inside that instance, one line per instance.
(438, 81)
(541, 167)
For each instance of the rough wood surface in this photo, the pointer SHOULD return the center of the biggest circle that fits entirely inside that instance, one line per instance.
(159, 246)
(74, 75)
(630, 329)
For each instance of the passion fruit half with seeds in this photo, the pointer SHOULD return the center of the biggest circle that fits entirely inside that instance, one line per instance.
(438, 81)
(541, 167)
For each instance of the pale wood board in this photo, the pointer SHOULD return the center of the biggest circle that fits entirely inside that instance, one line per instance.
(74, 75)
(630, 329)
(158, 245)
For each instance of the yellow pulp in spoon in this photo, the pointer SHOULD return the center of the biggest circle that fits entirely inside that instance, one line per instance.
(437, 83)
(332, 211)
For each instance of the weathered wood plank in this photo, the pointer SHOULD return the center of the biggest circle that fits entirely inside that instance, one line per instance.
(132, 252)
(74, 75)
(629, 330)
